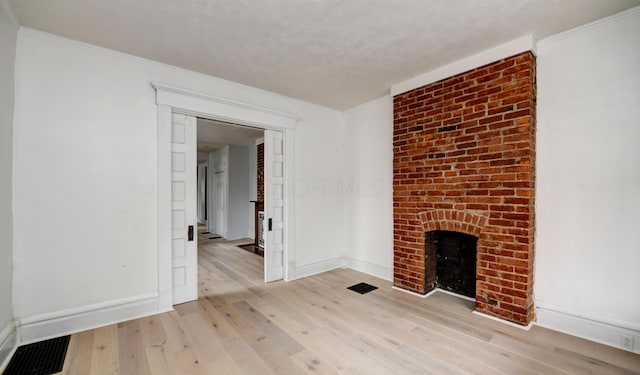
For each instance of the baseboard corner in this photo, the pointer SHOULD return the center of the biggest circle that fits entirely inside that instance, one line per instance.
(74, 320)
(8, 344)
(382, 272)
(318, 267)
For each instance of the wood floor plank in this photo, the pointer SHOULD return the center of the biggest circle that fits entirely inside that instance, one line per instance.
(187, 356)
(354, 359)
(212, 350)
(132, 353)
(266, 326)
(104, 360)
(215, 319)
(501, 360)
(244, 356)
(79, 354)
(313, 363)
(315, 325)
(156, 346)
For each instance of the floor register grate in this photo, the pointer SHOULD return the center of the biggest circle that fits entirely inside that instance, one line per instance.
(362, 288)
(40, 358)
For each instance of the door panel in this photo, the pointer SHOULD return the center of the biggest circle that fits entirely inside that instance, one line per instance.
(274, 205)
(183, 208)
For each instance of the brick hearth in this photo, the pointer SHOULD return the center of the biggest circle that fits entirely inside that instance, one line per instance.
(464, 161)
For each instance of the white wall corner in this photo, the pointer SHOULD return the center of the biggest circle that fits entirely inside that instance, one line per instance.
(290, 271)
(606, 333)
(165, 300)
(8, 344)
(83, 318)
(513, 47)
(317, 267)
(383, 272)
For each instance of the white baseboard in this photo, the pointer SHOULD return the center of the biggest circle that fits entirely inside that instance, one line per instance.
(511, 324)
(165, 300)
(413, 293)
(300, 271)
(8, 344)
(45, 326)
(383, 272)
(587, 328)
(317, 267)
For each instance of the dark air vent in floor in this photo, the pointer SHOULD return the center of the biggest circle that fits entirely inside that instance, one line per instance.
(40, 358)
(362, 288)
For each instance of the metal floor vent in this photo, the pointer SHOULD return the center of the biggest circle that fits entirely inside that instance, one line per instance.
(362, 288)
(40, 358)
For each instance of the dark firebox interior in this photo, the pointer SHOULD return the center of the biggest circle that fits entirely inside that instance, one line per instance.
(455, 257)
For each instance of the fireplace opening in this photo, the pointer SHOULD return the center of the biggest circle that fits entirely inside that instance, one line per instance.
(450, 262)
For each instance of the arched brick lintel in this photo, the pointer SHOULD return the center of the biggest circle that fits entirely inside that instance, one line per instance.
(469, 222)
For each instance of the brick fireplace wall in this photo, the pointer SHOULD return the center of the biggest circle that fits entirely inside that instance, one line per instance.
(464, 161)
(260, 178)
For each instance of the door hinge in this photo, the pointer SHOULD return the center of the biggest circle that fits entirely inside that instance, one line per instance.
(270, 225)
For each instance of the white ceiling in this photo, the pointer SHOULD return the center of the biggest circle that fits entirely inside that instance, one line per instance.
(213, 135)
(337, 53)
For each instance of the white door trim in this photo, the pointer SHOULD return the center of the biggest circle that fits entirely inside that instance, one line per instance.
(184, 206)
(274, 205)
(171, 99)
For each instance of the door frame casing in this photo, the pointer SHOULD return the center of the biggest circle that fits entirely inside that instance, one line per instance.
(204, 175)
(171, 99)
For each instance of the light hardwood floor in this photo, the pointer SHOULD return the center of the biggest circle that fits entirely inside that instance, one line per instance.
(316, 326)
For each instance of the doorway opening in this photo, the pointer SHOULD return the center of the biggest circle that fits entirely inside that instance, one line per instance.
(278, 130)
(230, 152)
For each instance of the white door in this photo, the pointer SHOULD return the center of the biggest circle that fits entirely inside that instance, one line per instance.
(273, 205)
(219, 204)
(184, 246)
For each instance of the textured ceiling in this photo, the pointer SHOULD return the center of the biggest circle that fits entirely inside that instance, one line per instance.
(337, 53)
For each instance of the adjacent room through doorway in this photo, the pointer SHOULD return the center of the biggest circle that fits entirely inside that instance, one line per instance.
(230, 185)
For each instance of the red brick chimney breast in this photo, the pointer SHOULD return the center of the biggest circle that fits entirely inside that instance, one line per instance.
(464, 161)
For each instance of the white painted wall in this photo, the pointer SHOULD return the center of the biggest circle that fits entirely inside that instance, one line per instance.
(8, 34)
(319, 171)
(85, 119)
(588, 170)
(238, 219)
(368, 188)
